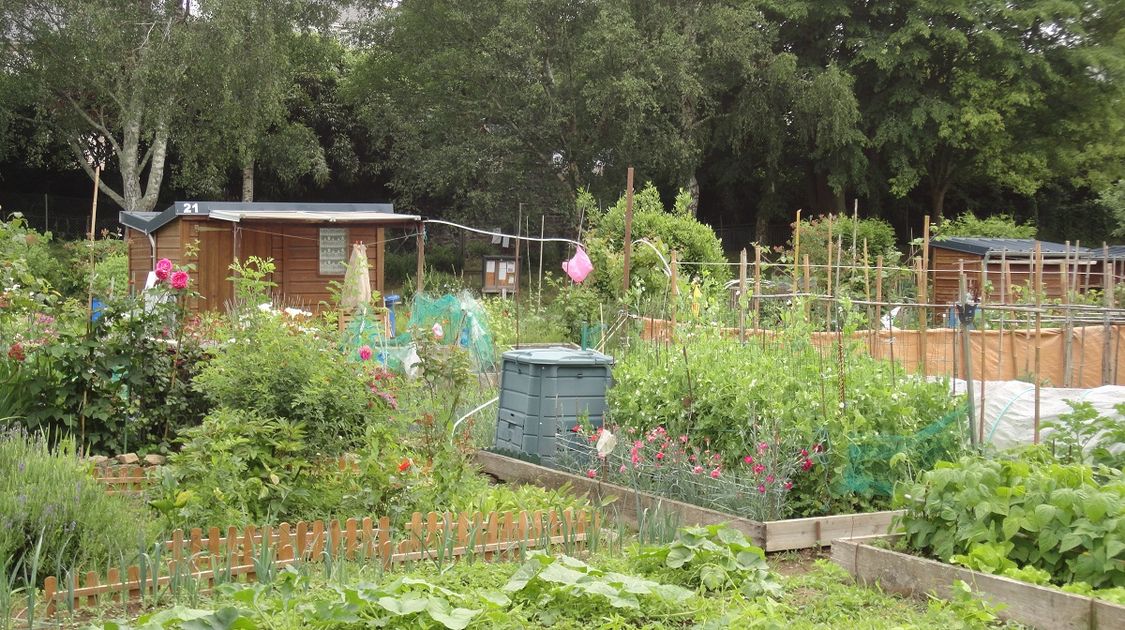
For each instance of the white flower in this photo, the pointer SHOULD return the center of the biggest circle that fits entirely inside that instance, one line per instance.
(265, 307)
(606, 443)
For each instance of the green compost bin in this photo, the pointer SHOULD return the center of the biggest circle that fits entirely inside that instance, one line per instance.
(543, 393)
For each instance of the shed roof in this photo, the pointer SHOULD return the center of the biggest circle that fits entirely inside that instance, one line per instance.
(1117, 251)
(149, 222)
(983, 246)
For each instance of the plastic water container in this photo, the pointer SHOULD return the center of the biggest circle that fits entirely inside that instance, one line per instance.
(390, 301)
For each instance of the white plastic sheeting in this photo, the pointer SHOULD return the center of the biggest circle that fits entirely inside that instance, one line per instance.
(1009, 407)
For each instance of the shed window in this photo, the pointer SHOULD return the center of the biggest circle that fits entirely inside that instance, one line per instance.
(333, 251)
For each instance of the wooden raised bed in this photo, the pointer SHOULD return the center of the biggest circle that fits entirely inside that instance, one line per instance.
(800, 533)
(1035, 606)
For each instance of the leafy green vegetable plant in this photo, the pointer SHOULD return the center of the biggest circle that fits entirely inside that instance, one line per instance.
(716, 558)
(551, 583)
(1055, 517)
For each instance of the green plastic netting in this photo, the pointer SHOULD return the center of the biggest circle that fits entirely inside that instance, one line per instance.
(462, 322)
(872, 459)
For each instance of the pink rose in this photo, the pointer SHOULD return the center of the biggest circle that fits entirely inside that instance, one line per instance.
(163, 268)
(179, 280)
(365, 353)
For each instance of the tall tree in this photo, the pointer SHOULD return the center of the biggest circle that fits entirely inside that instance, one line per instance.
(256, 51)
(108, 78)
(958, 90)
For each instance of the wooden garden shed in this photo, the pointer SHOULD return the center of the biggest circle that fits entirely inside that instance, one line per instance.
(1007, 266)
(308, 242)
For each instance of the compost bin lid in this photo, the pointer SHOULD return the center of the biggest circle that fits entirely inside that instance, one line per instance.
(558, 356)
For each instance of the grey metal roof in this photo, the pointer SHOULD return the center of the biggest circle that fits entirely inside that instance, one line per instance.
(982, 246)
(149, 222)
(1117, 251)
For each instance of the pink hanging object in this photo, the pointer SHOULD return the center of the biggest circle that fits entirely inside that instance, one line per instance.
(579, 266)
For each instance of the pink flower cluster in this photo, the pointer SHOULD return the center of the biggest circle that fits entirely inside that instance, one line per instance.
(766, 465)
(177, 279)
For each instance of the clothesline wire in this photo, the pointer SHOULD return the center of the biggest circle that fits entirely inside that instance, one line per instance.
(504, 235)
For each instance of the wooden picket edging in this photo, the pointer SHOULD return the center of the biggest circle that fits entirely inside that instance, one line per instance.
(132, 479)
(123, 478)
(1029, 604)
(235, 555)
(799, 533)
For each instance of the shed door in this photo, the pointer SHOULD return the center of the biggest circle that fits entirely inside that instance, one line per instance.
(216, 252)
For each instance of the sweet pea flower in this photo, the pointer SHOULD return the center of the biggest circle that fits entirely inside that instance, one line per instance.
(696, 470)
(660, 455)
(622, 469)
(804, 453)
(761, 489)
(763, 447)
(591, 473)
(759, 469)
(788, 485)
(747, 460)
(684, 439)
(769, 478)
(715, 473)
(807, 465)
(365, 353)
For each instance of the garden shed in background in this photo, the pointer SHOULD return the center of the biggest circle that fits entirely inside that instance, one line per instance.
(1006, 266)
(309, 243)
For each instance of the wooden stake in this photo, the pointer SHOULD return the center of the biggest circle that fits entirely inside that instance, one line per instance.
(628, 230)
(742, 296)
(966, 350)
(1107, 330)
(758, 282)
(808, 287)
(796, 246)
(420, 241)
(879, 285)
(1064, 275)
(924, 291)
(542, 231)
(1038, 330)
(919, 275)
(516, 297)
(983, 339)
(675, 291)
(830, 294)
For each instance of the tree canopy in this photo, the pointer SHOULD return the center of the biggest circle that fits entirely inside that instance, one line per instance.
(754, 108)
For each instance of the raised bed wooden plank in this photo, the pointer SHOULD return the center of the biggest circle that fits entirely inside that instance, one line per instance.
(628, 502)
(1035, 606)
(819, 531)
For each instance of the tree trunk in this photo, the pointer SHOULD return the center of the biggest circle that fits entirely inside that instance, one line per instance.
(248, 181)
(937, 200)
(693, 188)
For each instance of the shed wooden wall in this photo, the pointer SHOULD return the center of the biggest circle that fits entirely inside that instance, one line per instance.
(168, 245)
(945, 267)
(294, 247)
